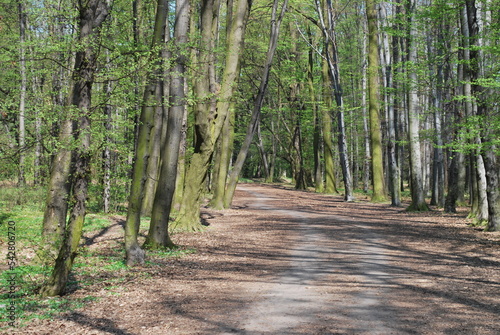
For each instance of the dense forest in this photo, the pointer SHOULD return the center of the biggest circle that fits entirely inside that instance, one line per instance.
(151, 107)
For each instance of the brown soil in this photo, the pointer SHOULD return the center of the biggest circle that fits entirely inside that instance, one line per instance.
(290, 262)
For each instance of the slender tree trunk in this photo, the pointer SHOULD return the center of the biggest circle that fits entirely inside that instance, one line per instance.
(394, 176)
(438, 181)
(134, 253)
(367, 157)
(181, 164)
(155, 142)
(59, 184)
(479, 210)
(91, 17)
(377, 161)
(226, 140)
(333, 67)
(22, 97)
(54, 219)
(158, 236)
(265, 161)
(106, 155)
(417, 188)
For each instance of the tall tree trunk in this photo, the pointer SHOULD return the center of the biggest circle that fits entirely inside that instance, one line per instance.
(333, 69)
(59, 184)
(330, 180)
(91, 18)
(224, 158)
(208, 126)
(417, 188)
(22, 97)
(155, 142)
(106, 154)
(158, 236)
(54, 219)
(479, 210)
(438, 181)
(488, 154)
(367, 157)
(225, 141)
(377, 161)
(318, 175)
(391, 55)
(134, 253)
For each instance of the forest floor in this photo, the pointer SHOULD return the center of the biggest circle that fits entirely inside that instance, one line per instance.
(282, 261)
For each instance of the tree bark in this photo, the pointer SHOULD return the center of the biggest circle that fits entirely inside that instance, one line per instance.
(391, 57)
(377, 161)
(22, 96)
(158, 236)
(417, 190)
(208, 125)
(488, 154)
(333, 69)
(330, 180)
(92, 15)
(134, 253)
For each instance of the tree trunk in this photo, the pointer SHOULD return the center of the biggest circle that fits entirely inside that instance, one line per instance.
(225, 151)
(54, 219)
(208, 126)
(91, 17)
(417, 190)
(106, 154)
(330, 180)
(134, 253)
(22, 97)
(158, 236)
(438, 162)
(393, 164)
(377, 161)
(333, 69)
(488, 136)
(479, 208)
(155, 142)
(225, 141)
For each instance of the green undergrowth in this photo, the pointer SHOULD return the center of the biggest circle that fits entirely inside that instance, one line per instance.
(98, 271)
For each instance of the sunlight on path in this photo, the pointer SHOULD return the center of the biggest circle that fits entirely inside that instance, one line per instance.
(295, 298)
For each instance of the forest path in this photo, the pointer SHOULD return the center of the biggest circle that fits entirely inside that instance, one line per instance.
(295, 300)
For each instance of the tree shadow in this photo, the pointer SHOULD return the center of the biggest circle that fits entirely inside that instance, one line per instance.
(102, 324)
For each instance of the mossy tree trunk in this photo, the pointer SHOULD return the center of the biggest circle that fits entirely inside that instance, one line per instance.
(208, 124)
(158, 236)
(326, 122)
(91, 17)
(377, 162)
(134, 253)
(56, 208)
(223, 160)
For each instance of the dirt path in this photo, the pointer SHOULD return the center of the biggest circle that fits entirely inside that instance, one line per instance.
(289, 262)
